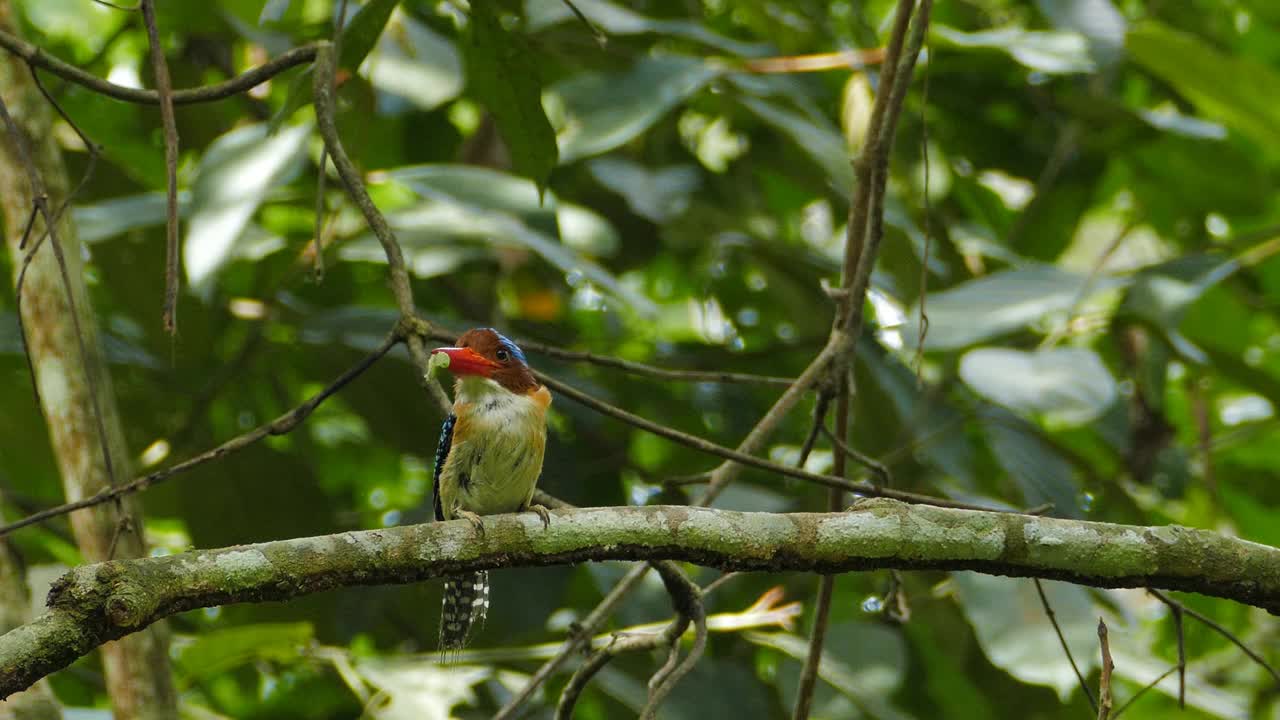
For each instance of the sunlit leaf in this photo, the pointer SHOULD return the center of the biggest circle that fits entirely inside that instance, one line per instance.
(1001, 303)
(1009, 620)
(1043, 51)
(616, 19)
(230, 184)
(823, 143)
(1065, 386)
(413, 689)
(657, 194)
(1235, 90)
(217, 651)
(109, 218)
(417, 64)
(601, 111)
(362, 31)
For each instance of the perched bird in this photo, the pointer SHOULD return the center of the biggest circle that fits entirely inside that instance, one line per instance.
(489, 457)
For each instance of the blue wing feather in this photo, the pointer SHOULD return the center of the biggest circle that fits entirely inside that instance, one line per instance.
(442, 454)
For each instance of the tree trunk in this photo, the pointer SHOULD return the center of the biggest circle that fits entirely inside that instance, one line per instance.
(68, 373)
(36, 703)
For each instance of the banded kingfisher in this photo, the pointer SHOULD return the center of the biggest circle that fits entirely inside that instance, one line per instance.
(489, 457)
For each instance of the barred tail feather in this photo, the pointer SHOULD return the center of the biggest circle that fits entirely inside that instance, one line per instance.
(466, 603)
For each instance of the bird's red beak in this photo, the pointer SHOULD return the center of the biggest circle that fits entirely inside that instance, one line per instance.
(465, 361)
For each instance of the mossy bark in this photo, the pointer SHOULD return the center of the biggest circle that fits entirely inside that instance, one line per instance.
(93, 604)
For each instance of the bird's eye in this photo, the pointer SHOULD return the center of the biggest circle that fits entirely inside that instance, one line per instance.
(503, 355)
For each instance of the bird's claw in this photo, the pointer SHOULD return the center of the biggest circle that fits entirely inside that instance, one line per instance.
(472, 518)
(543, 513)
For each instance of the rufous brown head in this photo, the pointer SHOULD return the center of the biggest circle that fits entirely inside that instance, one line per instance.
(485, 352)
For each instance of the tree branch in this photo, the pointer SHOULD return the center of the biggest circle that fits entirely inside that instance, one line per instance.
(93, 604)
(37, 57)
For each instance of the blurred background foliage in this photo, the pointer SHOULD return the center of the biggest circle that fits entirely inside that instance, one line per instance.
(1089, 185)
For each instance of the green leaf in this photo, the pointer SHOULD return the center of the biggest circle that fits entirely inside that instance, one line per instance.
(1038, 470)
(1000, 303)
(216, 651)
(1011, 626)
(602, 111)
(111, 218)
(503, 74)
(823, 143)
(1235, 90)
(1064, 386)
(656, 194)
(617, 20)
(417, 64)
(363, 30)
(1043, 51)
(231, 181)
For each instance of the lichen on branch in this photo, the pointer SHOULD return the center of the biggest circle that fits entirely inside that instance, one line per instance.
(96, 603)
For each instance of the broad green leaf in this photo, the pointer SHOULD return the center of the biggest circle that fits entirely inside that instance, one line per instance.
(1235, 90)
(1039, 472)
(1009, 620)
(1098, 20)
(502, 72)
(231, 181)
(862, 661)
(658, 194)
(1160, 296)
(363, 30)
(217, 651)
(601, 111)
(109, 218)
(359, 36)
(823, 143)
(118, 350)
(272, 11)
(420, 689)
(416, 63)
(576, 226)
(615, 19)
(491, 208)
(1001, 303)
(1052, 52)
(1064, 386)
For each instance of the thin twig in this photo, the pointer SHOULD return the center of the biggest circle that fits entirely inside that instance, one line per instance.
(281, 425)
(164, 88)
(1214, 626)
(706, 446)
(601, 39)
(826, 583)
(317, 273)
(877, 468)
(636, 368)
(401, 289)
(1104, 684)
(687, 599)
(1053, 620)
(1140, 693)
(34, 55)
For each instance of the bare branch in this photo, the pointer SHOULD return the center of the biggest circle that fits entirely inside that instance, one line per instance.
(34, 55)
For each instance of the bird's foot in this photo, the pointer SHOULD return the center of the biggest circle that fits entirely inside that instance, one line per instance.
(543, 513)
(472, 518)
